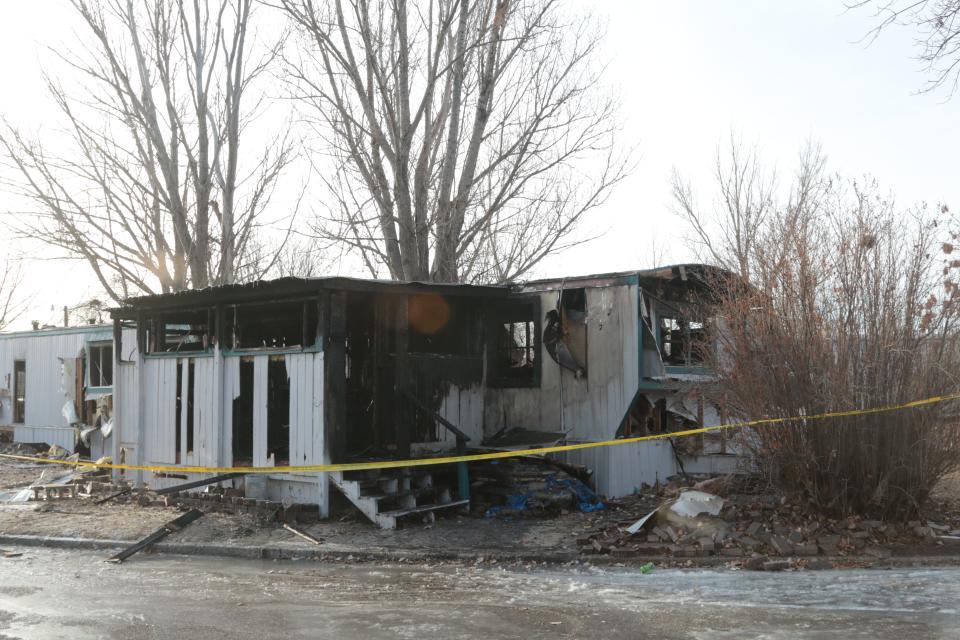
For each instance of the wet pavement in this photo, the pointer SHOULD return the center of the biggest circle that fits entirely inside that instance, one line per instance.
(71, 594)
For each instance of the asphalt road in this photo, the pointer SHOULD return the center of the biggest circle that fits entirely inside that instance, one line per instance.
(70, 594)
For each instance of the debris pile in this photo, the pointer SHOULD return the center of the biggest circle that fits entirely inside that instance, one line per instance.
(754, 527)
(529, 487)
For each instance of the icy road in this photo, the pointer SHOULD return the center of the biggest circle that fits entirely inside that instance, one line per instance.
(70, 594)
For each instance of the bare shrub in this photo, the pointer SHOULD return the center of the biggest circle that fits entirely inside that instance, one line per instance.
(851, 304)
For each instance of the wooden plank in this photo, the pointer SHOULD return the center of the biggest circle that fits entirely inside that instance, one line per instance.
(197, 483)
(302, 534)
(173, 526)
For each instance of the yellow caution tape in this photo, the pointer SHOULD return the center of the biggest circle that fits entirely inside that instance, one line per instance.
(422, 462)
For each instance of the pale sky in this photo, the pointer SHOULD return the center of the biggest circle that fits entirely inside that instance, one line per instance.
(687, 72)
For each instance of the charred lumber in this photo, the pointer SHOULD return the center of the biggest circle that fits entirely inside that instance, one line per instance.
(197, 483)
(173, 526)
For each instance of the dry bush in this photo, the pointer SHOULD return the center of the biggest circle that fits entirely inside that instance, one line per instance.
(852, 303)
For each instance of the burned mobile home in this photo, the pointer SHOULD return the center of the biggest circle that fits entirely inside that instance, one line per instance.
(295, 372)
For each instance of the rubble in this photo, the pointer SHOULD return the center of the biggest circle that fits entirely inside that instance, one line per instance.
(754, 526)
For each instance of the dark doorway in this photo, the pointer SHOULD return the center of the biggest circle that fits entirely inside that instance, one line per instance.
(243, 417)
(278, 411)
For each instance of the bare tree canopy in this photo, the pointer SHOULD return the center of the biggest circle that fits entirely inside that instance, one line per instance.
(153, 189)
(727, 234)
(12, 301)
(845, 300)
(937, 23)
(467, 138)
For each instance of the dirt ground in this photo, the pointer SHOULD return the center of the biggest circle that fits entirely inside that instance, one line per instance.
(456, 534)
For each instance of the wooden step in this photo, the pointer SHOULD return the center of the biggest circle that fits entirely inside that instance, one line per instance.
(399, 513)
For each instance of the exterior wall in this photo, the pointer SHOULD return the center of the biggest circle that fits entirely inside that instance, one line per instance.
(146, 419)
(45, 392)
(591, 409)
(621, 469)
(463, 406)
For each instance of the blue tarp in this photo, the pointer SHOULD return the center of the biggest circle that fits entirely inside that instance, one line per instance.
(584, 498)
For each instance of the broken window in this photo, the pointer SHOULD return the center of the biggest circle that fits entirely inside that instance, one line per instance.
(279, 325)
(278, 412)
(513, 346)
(19, 391)
(180, 332)
(100, 365)
(243, 417)
(682, 341)
(574, 304)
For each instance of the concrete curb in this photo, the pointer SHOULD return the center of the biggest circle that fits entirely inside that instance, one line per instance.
(291, 553)
(250, 552)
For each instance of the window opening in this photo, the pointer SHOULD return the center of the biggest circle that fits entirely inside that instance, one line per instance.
(513, 347)
(19, 391)
(274, 326)
(181, 332)
(101, 365)
(682, 341)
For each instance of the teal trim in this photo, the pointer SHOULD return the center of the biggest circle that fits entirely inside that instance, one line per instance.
(178, 354)
(105, 329)
(698, 371)
(639, 333)
(653, 385)
(272, 352)
(98, 389)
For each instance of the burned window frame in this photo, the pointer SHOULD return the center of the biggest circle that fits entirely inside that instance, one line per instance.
(308, 336)
(694, 355)
(99, 348)
(200, 323)
(518, 311)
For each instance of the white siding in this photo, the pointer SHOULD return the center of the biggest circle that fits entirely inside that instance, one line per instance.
(42, 351)
(464, 408)
(590, 409)
(261, 366)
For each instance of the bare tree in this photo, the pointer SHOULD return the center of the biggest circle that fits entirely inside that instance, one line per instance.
(12, 301)
(466, 139)
(746, 193)
(848, 302)
(937, 23)
(151, 186)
